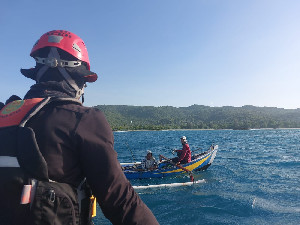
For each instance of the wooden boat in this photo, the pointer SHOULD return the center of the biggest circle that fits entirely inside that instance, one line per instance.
(199, 161)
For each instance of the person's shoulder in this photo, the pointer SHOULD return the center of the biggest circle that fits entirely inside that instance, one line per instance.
(77, 107)
(88, 115)
(186, 145)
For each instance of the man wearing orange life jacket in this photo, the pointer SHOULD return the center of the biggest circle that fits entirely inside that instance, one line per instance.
(75, 141)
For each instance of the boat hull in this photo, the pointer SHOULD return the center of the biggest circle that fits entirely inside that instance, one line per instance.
(199, 162)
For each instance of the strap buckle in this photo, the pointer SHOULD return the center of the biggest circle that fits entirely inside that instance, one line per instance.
(51, 62)
(54, 62)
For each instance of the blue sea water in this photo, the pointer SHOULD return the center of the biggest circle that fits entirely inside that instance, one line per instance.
(254, 179)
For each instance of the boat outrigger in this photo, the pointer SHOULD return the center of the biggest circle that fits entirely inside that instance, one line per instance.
(199, 161)
(169, 185)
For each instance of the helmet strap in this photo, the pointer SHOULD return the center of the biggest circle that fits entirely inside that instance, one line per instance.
(41, 72)
(54, 56)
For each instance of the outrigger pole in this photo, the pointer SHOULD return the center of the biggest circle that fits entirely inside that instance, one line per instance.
(169, 185)
(181, 167)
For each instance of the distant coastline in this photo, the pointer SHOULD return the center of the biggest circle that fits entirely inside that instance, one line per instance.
(125, 118)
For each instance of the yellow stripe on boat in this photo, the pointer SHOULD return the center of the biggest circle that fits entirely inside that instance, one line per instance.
(190, 167)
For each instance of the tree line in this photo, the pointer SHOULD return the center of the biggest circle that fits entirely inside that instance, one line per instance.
(124, 117)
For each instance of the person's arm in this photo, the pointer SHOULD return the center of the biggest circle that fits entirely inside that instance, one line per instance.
(143, 164)
(155, 162)
(115, 195)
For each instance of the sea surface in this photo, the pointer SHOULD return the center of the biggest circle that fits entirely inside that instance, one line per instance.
(254, 179)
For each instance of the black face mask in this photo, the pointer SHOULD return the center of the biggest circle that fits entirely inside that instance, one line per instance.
(58, 89)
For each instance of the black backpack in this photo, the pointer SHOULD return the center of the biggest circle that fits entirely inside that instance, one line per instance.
(27, 196)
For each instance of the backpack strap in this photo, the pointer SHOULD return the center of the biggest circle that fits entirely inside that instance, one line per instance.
(36, 105)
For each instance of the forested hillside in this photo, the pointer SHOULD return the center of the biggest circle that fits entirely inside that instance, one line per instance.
(122, 117)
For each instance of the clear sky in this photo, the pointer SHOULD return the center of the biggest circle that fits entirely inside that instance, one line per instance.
(166, 52)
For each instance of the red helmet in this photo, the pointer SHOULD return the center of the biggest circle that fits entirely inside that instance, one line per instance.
(64, 40)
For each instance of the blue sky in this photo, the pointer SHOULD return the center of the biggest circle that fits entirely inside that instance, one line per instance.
(166, 52)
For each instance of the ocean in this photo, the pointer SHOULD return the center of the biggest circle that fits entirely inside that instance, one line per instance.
(254, 179)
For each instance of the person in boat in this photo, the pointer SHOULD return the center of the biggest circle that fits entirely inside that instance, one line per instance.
(184, 154)
(149, 162)
(75, 141)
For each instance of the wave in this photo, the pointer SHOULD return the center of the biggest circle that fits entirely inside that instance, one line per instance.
(273, 206)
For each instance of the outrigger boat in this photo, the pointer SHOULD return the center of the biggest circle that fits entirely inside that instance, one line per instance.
(199, 162)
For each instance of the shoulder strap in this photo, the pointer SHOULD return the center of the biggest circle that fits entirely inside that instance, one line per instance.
(35, 108)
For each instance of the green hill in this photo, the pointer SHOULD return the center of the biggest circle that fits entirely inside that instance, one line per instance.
(123, 117)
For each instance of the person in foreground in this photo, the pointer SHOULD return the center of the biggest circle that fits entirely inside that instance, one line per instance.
(149, 162)
(183, 155)
(68, 150)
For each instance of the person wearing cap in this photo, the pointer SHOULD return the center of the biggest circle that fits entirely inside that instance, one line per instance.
(149, 162)
(76, 141)
(183, 155)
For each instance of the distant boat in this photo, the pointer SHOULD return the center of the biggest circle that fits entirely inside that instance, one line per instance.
(165, 168)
